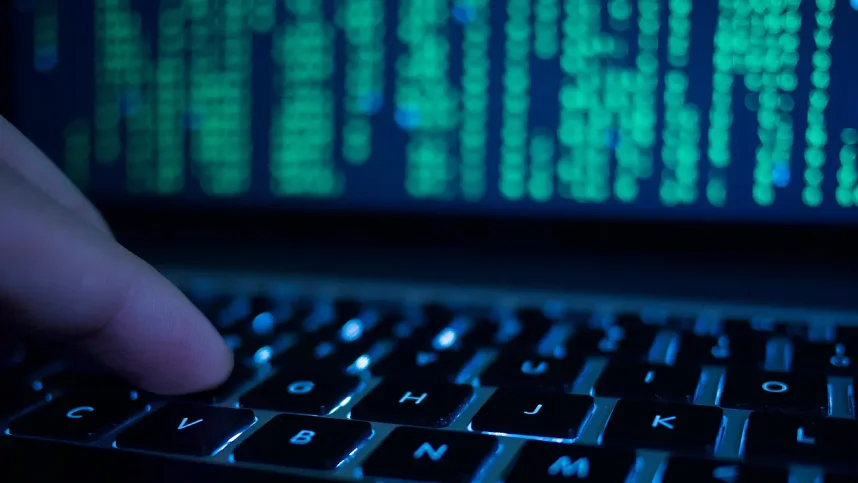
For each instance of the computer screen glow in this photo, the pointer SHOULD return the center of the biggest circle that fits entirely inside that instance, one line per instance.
(717, 109)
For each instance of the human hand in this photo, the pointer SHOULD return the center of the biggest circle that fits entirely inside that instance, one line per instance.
(64, 276)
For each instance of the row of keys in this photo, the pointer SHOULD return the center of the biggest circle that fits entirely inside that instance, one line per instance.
(632, 424)
(319, 393)
(317, 443)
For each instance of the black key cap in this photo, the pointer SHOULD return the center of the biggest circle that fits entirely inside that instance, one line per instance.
(848, 335)
(744, 327)
(648, 381)
(322, 355)
(346, 308)
(306, 393)
(82, 382)
(822, 358)
(188, 429)
(482, 332)
(427, 455)
(26, 459)
(437, 315)
(533, 327)
(672, 427)
(548, 415)
(627, 343)
(531, 372)
(240, 376)
(418, 403)
(79, 417)
(775, 391)
(303, 442)
(808, 439)
(413, 362)
(570, 462)
(749, 350)
(17, 399)
(684, 470)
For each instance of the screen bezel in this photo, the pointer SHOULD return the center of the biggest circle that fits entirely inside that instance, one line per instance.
(777, 242)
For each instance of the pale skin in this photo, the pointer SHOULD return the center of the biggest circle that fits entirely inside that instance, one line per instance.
(64, 276)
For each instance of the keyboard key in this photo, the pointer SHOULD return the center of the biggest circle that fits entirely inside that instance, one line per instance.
(633, 343)
(648, 381)
(848, 335)
(671, 427)
(748, 350)
(83, 382)
(240, 376)
(409, 361)
(775, 391)
(324, 356)
(533, 326)
(188, 429)
(306, 393)
(529, 372)
(742, 327)
(78, 417)
(33, 460)
(417, 404)
(303, 442)
(684, 470)
(822, 358)
(17, 399)
(347, 308)
(570, 462)
(548, 415)
(427, 455)
(795, 438)
(482, 332)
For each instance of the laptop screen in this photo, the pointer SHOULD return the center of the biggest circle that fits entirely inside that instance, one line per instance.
(723, 110)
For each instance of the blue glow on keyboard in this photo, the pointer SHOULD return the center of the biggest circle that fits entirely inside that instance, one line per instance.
(362, 362)
(524, 436)
(232, 341)
(352, 330)
(341, 404)
(854, 4)
(263, 323)
(554, 310)
(325, 349)
(445, 339)
(352, 453)
(233, 438)
(718, 392)
(263, 355)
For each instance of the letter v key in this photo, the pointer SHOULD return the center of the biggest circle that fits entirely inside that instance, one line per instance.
(184, 424)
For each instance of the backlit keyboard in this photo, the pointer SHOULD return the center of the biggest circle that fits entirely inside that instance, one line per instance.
(350, 388)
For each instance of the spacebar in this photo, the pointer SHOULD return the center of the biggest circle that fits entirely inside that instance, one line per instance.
(35, 460)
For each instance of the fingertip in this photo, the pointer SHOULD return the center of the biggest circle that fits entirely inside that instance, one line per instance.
(194, 362)
(161, 343)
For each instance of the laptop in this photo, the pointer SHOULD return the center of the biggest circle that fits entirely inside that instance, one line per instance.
(478, 240)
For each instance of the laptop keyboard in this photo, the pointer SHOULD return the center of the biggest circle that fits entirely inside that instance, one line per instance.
(431, 392)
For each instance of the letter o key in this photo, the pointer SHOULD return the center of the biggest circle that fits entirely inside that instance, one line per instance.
(775, 387)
